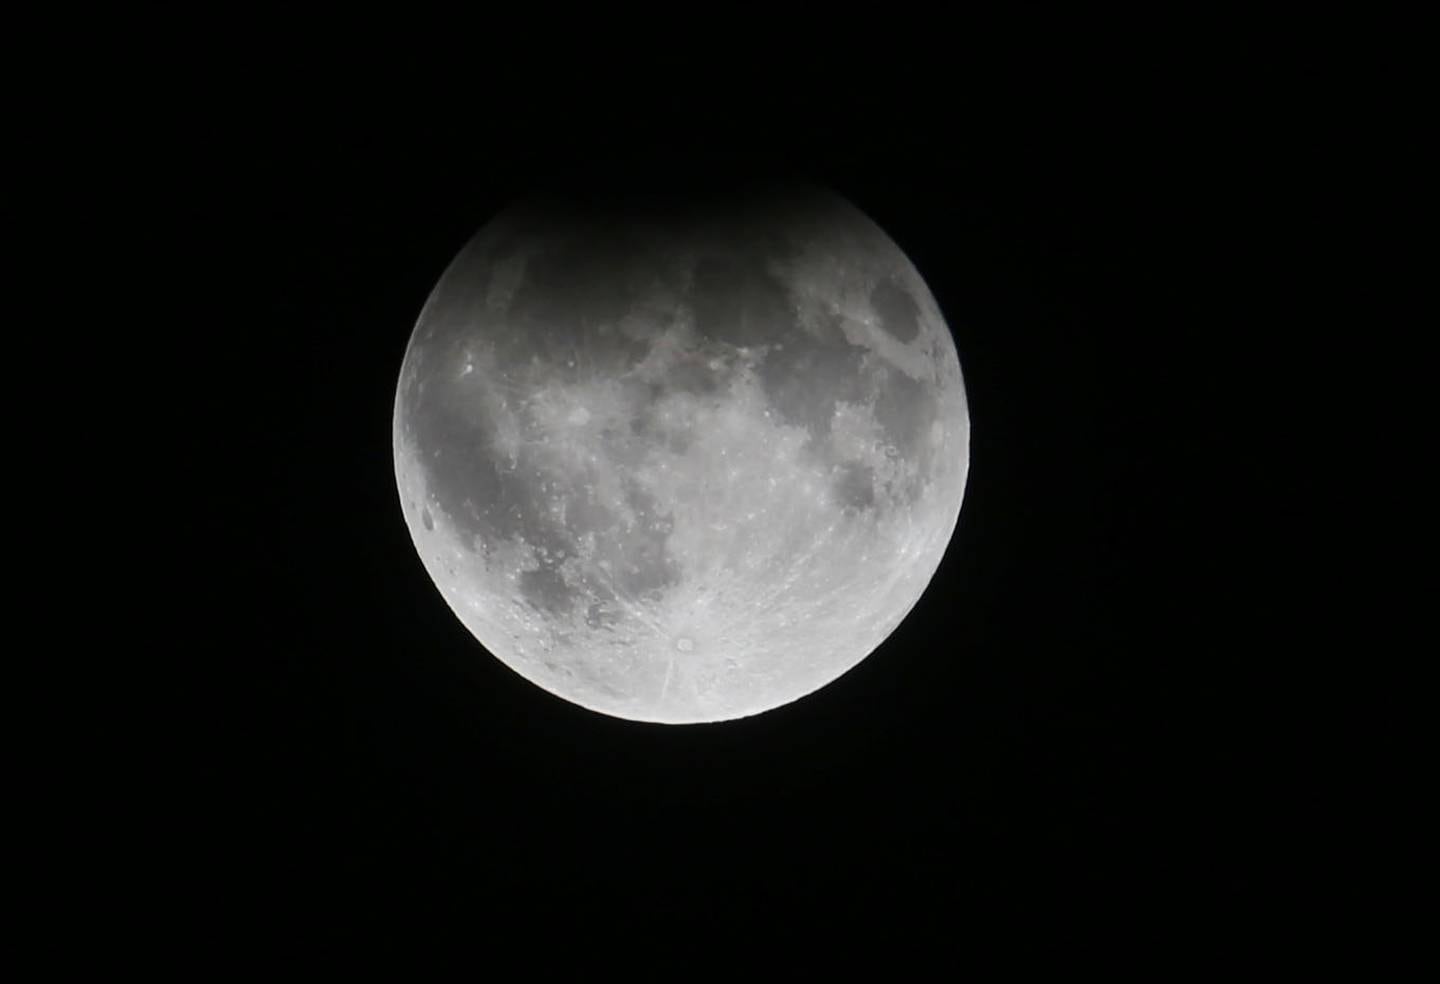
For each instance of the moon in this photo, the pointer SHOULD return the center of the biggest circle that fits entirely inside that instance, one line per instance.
(681, 464)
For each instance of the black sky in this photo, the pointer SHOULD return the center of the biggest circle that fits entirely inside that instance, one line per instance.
(1061, 719)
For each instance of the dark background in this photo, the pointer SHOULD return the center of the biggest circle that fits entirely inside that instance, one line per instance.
(1069, 717)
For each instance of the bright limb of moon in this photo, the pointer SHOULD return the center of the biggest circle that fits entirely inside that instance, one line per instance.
(681, 465)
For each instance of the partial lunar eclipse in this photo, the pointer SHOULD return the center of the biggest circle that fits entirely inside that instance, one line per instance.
(681, 464)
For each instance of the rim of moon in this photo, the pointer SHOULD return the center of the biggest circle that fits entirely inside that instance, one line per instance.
(681, 463)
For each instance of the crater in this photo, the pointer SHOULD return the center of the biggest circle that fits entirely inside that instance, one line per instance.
(598, 616)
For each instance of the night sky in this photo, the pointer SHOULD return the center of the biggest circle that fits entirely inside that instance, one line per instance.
(1057, 720)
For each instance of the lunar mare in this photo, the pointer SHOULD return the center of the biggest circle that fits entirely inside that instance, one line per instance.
(681, 465)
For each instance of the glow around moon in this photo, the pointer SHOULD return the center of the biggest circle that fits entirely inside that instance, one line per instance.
(681, 465)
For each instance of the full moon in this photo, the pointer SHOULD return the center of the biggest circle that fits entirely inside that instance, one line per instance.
(686, 462)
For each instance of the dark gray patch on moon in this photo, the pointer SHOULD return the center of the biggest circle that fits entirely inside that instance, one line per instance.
(466, 483)
(589, 281)
(545, 589)
(487, 502)
(854, 487)
(737, 301)
(648, 427)
(645, 565)
(899, 315)
(790, 378)
(696, 373)
(905, 408)
(563, 288)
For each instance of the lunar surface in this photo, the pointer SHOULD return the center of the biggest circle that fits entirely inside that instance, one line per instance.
(681, 464)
